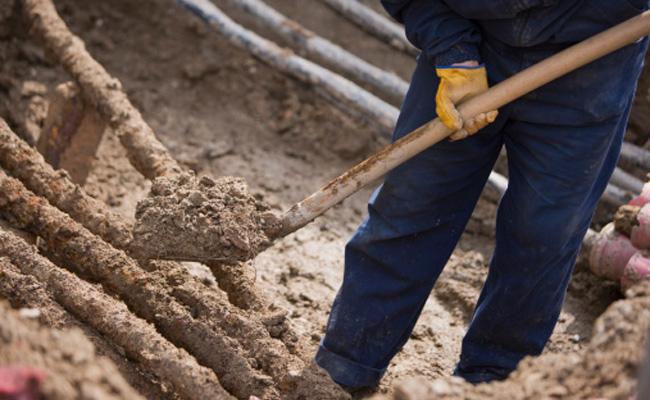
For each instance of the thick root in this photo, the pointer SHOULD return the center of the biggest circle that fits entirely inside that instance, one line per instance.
(25, 163)
(112, 319)
(100, 89)
(77, 248)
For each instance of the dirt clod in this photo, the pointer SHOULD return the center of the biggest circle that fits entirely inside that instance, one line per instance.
(191, 219)
(625, 219)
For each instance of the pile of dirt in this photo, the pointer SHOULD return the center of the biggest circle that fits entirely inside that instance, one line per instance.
(190, 219)
(606, 368)
(64, 364)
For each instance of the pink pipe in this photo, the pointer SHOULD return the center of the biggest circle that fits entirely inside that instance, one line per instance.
(643, 198)
(21, 383)
(610, 253)
(640, 234)
(636, 270)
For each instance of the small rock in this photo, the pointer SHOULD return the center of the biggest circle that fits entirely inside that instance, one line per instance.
(218, 149)
(30, 313)
(198, 27)
(33, 88)
(196, 198)
(206, 181)
(275, 318)
(198, 69)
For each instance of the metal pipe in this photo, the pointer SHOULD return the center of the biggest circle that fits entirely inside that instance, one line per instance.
(626, 181)
(343, 90)
(635, 155)
(318, 47)
(373, 23)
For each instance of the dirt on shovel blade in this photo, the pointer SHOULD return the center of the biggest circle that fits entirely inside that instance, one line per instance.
(201, 219)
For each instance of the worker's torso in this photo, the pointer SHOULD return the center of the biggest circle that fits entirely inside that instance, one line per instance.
(526, 23)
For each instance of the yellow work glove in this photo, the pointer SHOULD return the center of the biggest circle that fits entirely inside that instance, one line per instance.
(458, 84)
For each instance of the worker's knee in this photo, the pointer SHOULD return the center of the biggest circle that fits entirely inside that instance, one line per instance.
(542, 229)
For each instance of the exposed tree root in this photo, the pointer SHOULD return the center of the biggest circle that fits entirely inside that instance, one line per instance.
(288, 371)
(25, 291)
(24, 162)
(145, 152)
(218, 335)
(90, 256)
(238, 280)
(112, 319)
(100, 89)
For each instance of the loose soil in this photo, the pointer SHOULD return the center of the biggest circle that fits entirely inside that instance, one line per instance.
(64, 362)
(607, 368)
(190, 219)
(222, 113)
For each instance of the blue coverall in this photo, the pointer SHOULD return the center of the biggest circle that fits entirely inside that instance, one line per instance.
(562, 141)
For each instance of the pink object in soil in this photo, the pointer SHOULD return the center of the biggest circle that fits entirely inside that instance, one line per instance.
(610, 253)
(20, 383)
(636, 270)
(640, 235)
(643, 198)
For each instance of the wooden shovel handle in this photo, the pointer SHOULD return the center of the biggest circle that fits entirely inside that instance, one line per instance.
(433, 132)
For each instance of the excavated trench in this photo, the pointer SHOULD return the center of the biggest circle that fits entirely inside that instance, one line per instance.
(166, 329)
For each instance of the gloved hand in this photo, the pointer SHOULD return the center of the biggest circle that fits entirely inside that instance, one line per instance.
(457, 84)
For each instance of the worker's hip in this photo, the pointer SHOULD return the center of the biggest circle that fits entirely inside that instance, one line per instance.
(559, 24)
(594, 94)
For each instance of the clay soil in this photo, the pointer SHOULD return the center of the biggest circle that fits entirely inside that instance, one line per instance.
(223, 113)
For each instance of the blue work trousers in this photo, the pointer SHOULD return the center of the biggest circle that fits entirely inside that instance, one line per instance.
(562, 142)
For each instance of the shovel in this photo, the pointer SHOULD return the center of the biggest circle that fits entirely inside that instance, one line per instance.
(180, 221)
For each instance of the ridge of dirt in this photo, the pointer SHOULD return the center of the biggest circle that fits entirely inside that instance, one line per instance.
(24, 292)
(67, 359)
(606, 368)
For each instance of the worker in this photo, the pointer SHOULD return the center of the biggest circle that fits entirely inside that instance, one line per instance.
(562, 142)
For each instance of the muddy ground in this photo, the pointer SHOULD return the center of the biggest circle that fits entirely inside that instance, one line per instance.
(223, 113)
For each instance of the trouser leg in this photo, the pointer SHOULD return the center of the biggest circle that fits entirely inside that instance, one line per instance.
(414, 222)
(562, 148)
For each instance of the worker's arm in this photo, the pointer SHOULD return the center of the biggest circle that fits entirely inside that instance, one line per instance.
(443, 36)
(450, 42)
